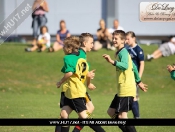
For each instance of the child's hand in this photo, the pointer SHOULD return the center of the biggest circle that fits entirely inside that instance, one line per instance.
(170, 68)
(91, 86)
(108, 58)
(143, 86)
(58, 84)
(91, 74)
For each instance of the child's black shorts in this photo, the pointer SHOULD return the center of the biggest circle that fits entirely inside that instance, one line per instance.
(77, 104)
(122, 104)
(62, 99)
(88, 98)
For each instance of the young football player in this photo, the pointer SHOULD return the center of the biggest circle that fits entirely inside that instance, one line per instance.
(127, 75)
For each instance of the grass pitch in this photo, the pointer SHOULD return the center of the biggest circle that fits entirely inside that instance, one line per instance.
(28, 90)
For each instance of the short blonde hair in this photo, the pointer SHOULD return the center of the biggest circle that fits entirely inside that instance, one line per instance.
(84, 37)
(121, 33)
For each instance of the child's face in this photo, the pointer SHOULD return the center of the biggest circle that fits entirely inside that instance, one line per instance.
(129, 40)
(117, 41)
(89, 44)
(44, 30)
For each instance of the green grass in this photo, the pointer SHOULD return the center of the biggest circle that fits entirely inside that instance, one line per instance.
(28, 90)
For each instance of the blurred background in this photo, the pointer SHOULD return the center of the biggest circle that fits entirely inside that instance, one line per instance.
(28, 80)
(84, 15)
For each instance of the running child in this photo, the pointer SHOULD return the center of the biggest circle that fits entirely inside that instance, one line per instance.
(76, 69)
(90, 107)
(127, 75)
(83, 38)
(137, 56)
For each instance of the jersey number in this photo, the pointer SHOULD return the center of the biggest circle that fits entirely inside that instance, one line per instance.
(82, 69)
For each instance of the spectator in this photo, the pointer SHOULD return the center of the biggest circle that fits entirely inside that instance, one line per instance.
(60, 36)
(103, 36)
(116, 26)
(43, 41)
(166, 49)
(40, 7)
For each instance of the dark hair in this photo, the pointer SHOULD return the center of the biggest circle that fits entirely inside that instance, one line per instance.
(71, 44)
(131, 33)
(42, 28)
(121, 33)
(84, 37)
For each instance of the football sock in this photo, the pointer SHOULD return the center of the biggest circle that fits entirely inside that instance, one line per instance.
(95, 128)
(123, 128)
(130, 129)
(77, 128)
(135, 109)
(65, 128)
(58, 129)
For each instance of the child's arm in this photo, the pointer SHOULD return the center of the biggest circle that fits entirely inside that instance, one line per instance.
(90, 76)
(140, 57)
(67, 69)
(172, 71)
(89, 84)
(64, 78)
(122, 65)
(137, 78)
(136, 74)
(173, 74)
(141, 69)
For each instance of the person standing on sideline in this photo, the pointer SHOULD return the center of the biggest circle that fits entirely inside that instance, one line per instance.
(39, 8)
(137, 56)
